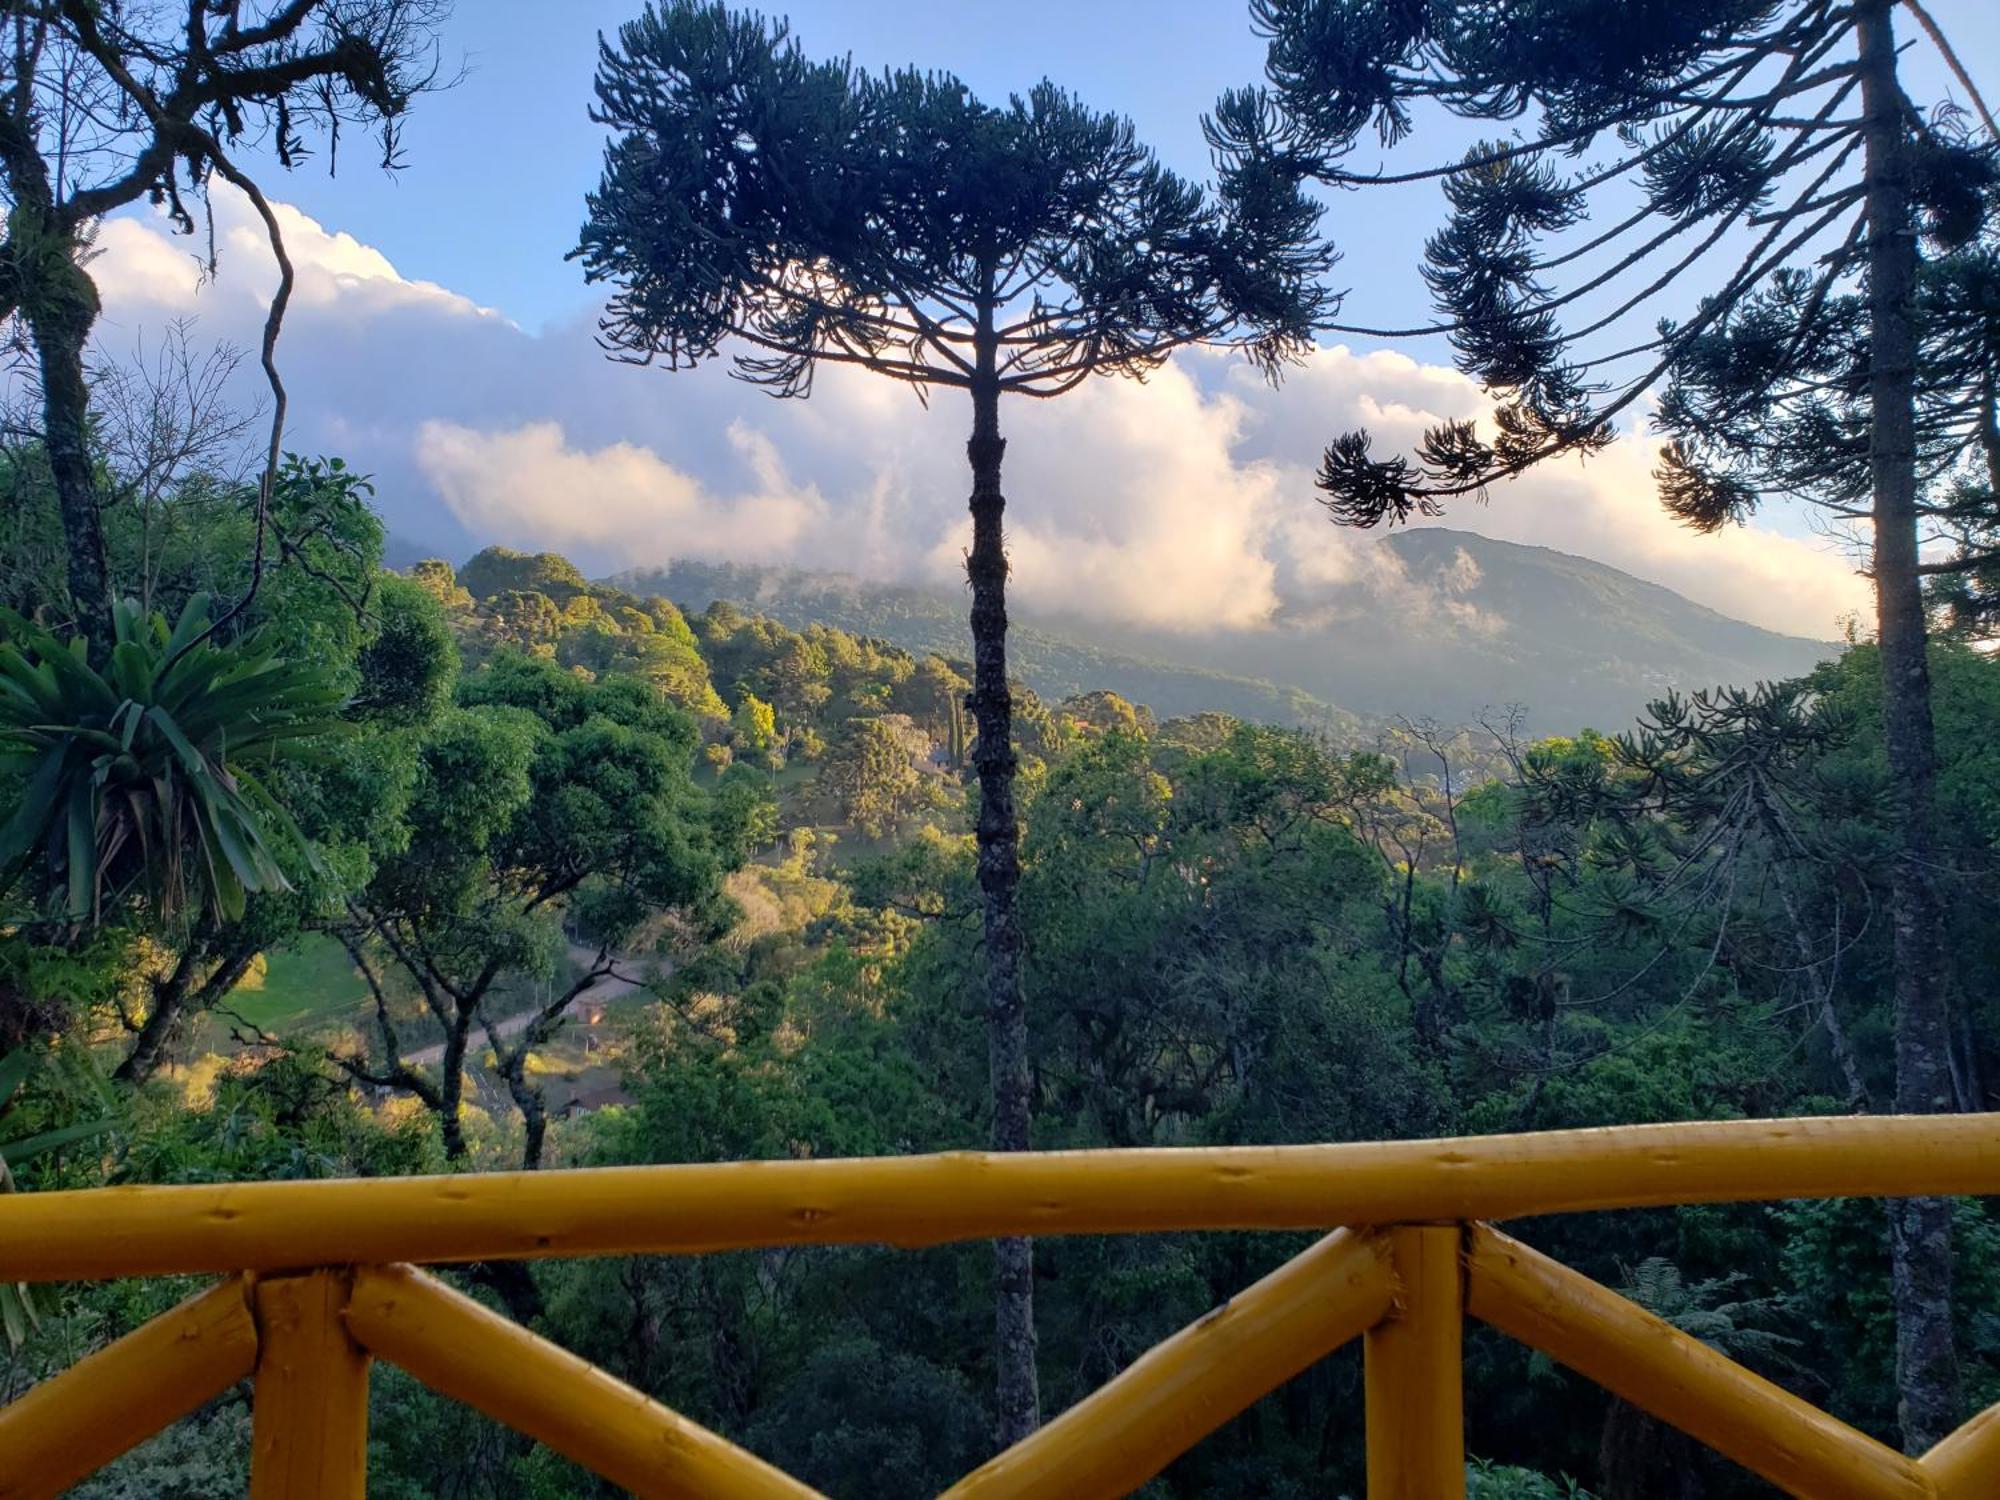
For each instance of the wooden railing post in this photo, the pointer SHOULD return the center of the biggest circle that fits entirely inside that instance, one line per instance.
(1116, 1439)
(72, 1424)
(1415, 1372)
(309, 1431)
(1964, 1464)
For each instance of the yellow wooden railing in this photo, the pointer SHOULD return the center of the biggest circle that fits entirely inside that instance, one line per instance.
(320, 1279)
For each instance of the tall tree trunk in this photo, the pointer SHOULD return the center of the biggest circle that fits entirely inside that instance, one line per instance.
(1821, 988)
(66, 426)
(1640, 1457)
(992, 706)
(1920, 1229)
(58, 302)
(1972, 1097)
(451, 1087)
(510, 1280)
(528, 1099)
(169, 996)
(1817, 971)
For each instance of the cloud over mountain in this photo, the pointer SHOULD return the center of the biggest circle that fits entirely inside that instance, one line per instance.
(1184, 501)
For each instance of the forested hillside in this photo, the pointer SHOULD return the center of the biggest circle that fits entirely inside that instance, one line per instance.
(1451, 625)
(1053, 662)
(755, 838)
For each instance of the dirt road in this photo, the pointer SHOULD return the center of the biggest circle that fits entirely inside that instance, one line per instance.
(607, 987)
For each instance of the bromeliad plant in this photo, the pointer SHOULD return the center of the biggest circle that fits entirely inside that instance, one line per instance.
(142, 779)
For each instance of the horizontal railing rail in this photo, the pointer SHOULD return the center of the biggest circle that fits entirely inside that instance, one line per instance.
(322, 1277)
(931, 1200)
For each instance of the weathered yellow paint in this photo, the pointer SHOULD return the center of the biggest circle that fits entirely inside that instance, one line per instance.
(1415, 1372)
(1966, 1465)
(1178, 1392)
(309, 1430)
(1679, 1379)
(924, 1200)
(457, 1347)
(78, 1421)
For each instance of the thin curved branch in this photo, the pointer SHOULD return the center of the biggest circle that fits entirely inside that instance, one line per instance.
(1951, 61)
(274, 320)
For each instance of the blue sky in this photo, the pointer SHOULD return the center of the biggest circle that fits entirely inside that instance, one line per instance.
(497, 166)
(440, 342)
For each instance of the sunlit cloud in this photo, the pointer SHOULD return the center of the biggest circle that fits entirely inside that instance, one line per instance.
(1183, 501)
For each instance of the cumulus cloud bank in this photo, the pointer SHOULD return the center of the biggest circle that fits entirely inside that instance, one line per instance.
(1185, 500)
(508, 483)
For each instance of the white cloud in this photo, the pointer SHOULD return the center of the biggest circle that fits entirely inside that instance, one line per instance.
(527, 487)
(1605, 507)
(332, 267)
(1185, 501)
(1128, 500)
(144, 264)
(136, 267)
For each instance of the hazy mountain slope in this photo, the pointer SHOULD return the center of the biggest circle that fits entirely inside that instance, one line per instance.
(1449, 623)
(1056, 664)
(1453, 622)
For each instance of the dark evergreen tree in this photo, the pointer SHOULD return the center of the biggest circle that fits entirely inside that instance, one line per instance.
(1719, 804)
(1959, 366)
(1717, 165)
(893, 222)
(102, 105)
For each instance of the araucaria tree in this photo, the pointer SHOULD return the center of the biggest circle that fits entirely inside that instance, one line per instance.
(817, 215)
(102, 105)
(1751, 177)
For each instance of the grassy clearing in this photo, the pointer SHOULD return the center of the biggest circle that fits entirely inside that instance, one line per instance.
(309, 984)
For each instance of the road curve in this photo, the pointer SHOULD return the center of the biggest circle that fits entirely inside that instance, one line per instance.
(606, 987)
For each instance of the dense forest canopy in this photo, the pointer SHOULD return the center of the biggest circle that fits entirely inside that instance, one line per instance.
(313, 868)
(1239, 933)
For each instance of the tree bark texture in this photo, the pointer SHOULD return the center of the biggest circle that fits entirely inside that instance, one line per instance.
(999, 881)
(58, 302)
(177, 997)
(1920, 1229)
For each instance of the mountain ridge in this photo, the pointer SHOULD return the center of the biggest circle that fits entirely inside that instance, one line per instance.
(1447, 624)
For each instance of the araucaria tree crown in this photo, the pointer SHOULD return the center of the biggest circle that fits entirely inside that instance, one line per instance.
(894, 221)
(1684, 166)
